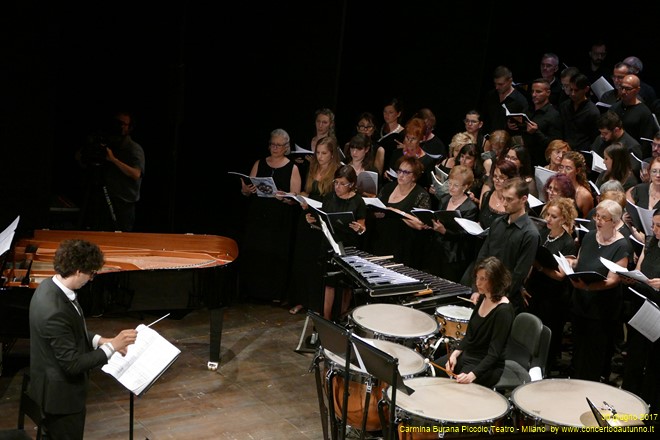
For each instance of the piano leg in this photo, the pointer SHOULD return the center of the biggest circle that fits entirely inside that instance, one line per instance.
(216, 316)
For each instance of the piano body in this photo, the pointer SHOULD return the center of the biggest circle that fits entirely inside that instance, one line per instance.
(143, 272)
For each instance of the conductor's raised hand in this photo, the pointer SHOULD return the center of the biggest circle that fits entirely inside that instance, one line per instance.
(123, 340)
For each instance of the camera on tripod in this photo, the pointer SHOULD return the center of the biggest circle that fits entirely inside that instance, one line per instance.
(107, 136)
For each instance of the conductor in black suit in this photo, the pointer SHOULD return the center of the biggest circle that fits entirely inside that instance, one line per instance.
(62, 352)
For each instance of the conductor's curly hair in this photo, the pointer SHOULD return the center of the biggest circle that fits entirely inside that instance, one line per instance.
(77, 255)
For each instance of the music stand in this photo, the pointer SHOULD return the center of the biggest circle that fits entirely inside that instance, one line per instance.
(384, 367)
(336, 339)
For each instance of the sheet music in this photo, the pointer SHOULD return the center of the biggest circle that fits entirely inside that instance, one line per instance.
(600, 86)
(374, 201)
(298, 149)
(641, 217)
(616, 268)
(8, 235)
(331, 239)
(541, 176)
(564, 264)
(392, 173)
(647, 319)
(533, 201)
(471, 227)
(509, 114)
(144, 362)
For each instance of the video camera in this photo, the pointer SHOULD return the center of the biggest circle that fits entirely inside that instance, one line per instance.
(108, 135)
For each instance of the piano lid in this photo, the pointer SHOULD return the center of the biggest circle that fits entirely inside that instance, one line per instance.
(129, 251)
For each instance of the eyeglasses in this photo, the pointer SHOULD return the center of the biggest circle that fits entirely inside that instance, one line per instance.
(404, 172)
(451, 184)
(655, 145)
(627, 88)
(599, 217)
(511, 158)
(499, 178)
(470, 121)
(274, 145)
(338, 183)
(364, 127)
(655, 171)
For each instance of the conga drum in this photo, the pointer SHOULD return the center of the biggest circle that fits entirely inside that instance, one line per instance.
(443, 407)
(392, 322)
(563, 402)
(410, 364)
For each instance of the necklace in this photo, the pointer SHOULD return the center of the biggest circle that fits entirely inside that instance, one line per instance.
(498, 199)
(550, 239)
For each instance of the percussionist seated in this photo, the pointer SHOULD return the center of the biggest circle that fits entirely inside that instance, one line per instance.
(479, 356)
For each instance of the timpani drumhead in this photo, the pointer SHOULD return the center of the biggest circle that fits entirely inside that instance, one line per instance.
(445, 401)
(394, 320)
(411, 363)
(563, 402)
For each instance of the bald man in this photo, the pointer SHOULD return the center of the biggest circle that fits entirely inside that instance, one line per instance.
(636, 116)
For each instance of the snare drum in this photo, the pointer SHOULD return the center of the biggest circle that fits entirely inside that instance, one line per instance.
(443, 407)
(404, 325)
(411, 364)
(563, 402)
(453, 320)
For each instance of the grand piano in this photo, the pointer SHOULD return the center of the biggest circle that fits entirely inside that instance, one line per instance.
(143, 273)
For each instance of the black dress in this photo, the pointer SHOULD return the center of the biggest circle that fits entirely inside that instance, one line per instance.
(451, 253)
(307, 269)
(641, 374)
(265, 251)
(550, 298)
(595, 315)
(391, 236)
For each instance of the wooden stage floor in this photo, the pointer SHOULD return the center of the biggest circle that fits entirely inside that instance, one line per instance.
(262, 389)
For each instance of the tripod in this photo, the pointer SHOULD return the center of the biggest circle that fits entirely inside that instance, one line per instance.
(97, 207)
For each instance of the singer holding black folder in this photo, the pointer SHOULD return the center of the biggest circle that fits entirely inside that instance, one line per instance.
(547, 289)
(596, 307)
(62, 352)
(343, 199)
(452, 248)
(641, 374)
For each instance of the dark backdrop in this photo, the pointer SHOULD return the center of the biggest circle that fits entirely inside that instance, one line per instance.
(207, 84)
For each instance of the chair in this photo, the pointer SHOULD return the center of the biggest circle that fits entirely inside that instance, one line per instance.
(27, 407)
(527, 347)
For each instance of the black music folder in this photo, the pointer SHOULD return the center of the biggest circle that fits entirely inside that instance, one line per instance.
(334, 220)
(447, 218)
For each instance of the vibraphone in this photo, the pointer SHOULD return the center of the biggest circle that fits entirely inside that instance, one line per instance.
(383, 278)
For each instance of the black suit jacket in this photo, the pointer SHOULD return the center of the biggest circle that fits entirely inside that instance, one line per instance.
(61, 352)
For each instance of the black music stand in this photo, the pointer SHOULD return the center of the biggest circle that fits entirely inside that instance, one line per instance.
(385, 368)
(336, 339)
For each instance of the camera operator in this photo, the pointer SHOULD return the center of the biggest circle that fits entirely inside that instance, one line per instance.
(116, 163)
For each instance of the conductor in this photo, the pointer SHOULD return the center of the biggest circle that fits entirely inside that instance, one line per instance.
(62, 352)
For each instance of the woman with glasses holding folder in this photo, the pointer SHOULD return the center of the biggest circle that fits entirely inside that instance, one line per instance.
(596, 306)
(344, 199)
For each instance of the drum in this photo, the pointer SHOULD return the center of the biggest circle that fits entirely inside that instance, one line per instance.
(392, 322)
(411, 364)
(563, 402)
(453, 320)
(443, 407)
